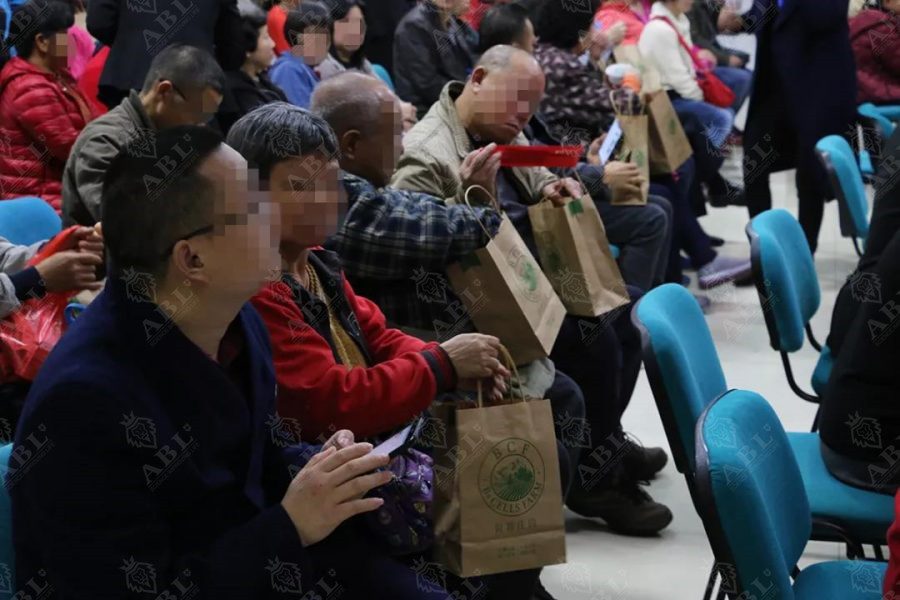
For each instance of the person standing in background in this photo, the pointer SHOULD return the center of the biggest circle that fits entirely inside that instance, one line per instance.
(799, 96)
(382, 21)
(136, 34)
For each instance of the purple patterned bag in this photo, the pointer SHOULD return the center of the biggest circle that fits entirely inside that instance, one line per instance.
(403, 522)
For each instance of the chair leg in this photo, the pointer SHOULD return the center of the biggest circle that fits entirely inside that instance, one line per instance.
(711, 582)
(786, 361)
(879, 555)
(812, 338)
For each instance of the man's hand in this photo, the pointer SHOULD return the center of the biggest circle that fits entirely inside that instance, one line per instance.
(623, 176)
(480, 168)
(561, 189)
(341, 439)
(330, 489)
(70, 270)
(493, 388)
(408, 112)
(729, 21)
(474, 356)
(735, 61)
(593, 151)
(86, 239)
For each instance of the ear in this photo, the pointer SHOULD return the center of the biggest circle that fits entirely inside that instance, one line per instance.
(350, 143)
(187, 260)
(42, 43)
(478, 76)
(164, 88)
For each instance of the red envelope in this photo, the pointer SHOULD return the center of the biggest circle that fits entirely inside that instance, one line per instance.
(539, 156)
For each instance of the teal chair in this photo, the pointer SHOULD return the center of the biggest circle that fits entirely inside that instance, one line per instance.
(846, 180)
(876, 126)
(685, 376)
(615, 251)
(879, 118)
(7, 564)
(788, 287)
(757, 513)
(25, 221)
(383, 75)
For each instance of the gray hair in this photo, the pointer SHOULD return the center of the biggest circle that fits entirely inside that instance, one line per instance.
(349, 100)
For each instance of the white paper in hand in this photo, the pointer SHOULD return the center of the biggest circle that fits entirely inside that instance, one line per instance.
(609, 144)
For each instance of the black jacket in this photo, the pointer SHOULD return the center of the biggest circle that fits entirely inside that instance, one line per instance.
(427, 56)
(704, 20)
(242, 95)
(382, 17)
(137, 30)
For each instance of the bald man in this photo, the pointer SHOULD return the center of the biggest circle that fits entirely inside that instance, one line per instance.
(490, 109)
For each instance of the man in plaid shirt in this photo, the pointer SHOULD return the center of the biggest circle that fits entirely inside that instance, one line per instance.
(395, 245)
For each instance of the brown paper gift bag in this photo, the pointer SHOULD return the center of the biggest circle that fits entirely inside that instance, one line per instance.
(507, 295)
(497, 495)
(650, 78)
(668, 146)
(634, 150)
(576, 257)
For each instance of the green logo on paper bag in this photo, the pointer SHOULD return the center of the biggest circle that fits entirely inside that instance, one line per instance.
(511, 477)
(639, 158)
(526, 273)
(673, 127)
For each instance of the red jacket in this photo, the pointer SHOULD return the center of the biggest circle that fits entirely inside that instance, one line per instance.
(610, 14)
(875, 36)
(41, 114)
(404, 376)
(89, 84)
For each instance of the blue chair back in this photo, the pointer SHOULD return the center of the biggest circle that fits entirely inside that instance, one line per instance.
(682, 364)
(785, 277)
(7, 563)
(870, 111)
(383, 75)
(25, 221)
(755, 507)
(846, 180)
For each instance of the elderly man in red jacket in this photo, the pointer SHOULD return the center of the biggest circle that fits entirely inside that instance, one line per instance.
(338, 364)
(41, 109)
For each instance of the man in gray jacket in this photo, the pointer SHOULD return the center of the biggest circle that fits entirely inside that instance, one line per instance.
(184, 86)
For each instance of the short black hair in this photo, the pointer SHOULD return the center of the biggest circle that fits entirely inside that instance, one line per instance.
(45, 17)
(252, 19)
(562, 23)
(309, 15)
(153, 196)
(187, 67)
(503, 24)
(277, 131)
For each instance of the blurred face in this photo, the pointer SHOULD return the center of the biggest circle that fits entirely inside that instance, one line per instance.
(454, 7)
(374, 157)
(262, 57)
(505, 100)
(527, 40)
(242, 249)
(54, 48)
(312, 46)
(892, 5)
(350, 32)
(308, 195)
(681, 6)
(173, 106)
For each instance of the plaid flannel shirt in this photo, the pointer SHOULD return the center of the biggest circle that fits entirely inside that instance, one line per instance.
(395, 246)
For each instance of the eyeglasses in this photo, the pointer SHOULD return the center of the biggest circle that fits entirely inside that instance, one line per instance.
(195, 233)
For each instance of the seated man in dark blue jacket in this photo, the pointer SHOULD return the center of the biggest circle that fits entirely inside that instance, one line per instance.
(149, 461)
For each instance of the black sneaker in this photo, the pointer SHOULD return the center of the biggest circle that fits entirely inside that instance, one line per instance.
(642, 463)
(727, 195)
(626, 508)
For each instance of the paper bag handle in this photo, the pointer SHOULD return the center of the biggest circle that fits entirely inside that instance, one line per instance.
(494, 204)
(513, 372)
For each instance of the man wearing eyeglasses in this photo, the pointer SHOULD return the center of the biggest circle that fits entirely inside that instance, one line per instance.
(149, 461)
(184, 86)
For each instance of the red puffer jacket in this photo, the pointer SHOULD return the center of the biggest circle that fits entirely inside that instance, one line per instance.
(875, 36)
(41, 114)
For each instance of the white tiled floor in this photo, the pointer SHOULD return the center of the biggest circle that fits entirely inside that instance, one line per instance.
(675, 565)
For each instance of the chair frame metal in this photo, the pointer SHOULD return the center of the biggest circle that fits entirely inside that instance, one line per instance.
(759, 280)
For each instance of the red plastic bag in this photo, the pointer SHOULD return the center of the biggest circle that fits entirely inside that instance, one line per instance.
(29, 334)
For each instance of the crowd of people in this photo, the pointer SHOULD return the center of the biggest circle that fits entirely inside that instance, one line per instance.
(273, 195)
